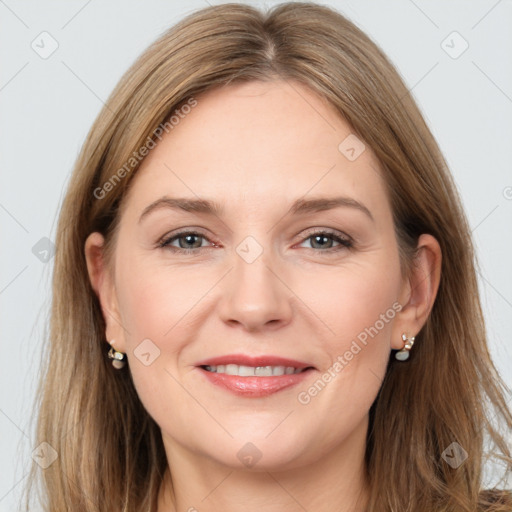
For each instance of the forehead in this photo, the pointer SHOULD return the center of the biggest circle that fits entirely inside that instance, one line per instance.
(257, 145)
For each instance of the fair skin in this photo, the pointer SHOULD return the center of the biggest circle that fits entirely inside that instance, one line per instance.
(254, 149)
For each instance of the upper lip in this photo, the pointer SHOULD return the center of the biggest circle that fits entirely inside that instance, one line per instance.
(247, 360)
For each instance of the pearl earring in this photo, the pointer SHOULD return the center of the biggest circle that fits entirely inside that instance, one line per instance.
(403, 355)
(118, 358)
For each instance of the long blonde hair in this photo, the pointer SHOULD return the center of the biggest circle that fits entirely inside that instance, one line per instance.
(110, 451)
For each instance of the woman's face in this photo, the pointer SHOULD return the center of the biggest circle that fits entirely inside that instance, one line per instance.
(257, 233)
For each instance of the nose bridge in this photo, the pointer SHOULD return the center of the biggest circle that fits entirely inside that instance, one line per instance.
(254, 294)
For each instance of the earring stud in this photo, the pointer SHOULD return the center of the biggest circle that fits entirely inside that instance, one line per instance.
(403, 355)
(118, 358)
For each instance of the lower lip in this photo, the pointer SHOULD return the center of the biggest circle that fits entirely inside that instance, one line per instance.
(255, 387)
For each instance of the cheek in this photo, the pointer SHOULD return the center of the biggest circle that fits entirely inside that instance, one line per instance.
(156, 302)
(359, 305)
(356, 302)
(156, 306)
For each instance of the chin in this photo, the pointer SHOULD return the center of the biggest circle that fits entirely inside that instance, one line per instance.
(255, 453)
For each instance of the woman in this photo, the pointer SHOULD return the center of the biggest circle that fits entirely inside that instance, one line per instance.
(262, 236)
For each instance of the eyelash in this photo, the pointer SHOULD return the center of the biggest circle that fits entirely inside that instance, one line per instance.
(344, 242)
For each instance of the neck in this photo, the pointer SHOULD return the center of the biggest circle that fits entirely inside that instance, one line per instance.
(334, 482)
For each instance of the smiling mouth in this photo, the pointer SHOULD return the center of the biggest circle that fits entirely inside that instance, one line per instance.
(253, 371)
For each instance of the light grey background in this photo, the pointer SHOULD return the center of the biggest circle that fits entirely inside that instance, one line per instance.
(48, 105)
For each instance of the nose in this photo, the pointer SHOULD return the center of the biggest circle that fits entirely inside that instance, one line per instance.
(255, 296)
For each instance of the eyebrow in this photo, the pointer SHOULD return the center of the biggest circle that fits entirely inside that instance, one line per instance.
(299, 207)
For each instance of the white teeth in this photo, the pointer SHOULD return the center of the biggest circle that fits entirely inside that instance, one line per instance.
(253, 371)
(263, 371)
(245, 371)
(278, 370)
(231, 369)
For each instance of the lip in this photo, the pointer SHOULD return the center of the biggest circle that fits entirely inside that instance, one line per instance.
(254, 387)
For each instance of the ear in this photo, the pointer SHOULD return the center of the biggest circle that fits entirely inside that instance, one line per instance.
(102, 281)
(419, 290)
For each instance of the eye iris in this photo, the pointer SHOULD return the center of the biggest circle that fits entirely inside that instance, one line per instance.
(316, 239)
(189, 239)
